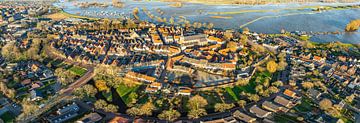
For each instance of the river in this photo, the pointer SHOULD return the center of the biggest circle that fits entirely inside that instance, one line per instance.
(259, 18)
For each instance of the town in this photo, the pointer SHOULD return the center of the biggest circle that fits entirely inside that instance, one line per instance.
(85, 70)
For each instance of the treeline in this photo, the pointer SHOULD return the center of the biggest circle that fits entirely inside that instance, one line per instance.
(353, 26)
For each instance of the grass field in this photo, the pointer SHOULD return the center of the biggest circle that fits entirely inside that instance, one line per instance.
(232, 93)
(125, 91)
(78, 70)
(57, 16)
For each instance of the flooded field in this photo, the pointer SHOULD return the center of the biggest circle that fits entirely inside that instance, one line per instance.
(260, 18)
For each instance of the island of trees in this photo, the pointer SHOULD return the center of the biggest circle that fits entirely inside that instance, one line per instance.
(353, 26)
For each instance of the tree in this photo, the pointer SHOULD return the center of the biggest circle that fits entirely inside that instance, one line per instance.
(242, 103)
(10, 93)
(210, 26)
(325, 104)
(271, 66)
(307, 85)
(101, 85)
(258, 48)
(111, 108)
(65, 77)
(10, 52)
(243, 39)
(350, 98)
(100, 104)
(246, 30)
(197, 102)
(282, 65)
(273, 89)
(254, 97)
(134, 111)
(147, 108)
(221, 107)
(266, 82)
(353, 26)
(172, 21)
(169, 115)
(277, 83)
(333, 112)
(196, 105)
(196, 113)
(86, 91)
(259, 88)
(135, 13)
(28, 107)
(242, 82)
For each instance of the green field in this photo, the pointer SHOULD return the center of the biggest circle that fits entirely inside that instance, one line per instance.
(78, 70)
(305, 106)
(107, 95)
(125, 91)
(283, 118)
(232, 93)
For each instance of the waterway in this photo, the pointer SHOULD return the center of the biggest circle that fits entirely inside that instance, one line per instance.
(259, 18)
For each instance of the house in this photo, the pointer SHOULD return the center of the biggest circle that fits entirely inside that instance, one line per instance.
(259, 112)
(119, 119)
(36, 95)
(222, 120)
(26, 82)
(193, 40)
(313, 93)
(216, 40)
(284, 102)
(68, 108)
(319, 59)
(90, 118)
(64, 113)
(140, 77)
(273, 107)
(153, 87)
(243, 117)
(290, 93)
(186, 91)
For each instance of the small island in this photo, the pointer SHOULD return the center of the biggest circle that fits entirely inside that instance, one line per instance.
(176, 5)
(221, 17)
(118, 4)
(353, 26)
(92, 4)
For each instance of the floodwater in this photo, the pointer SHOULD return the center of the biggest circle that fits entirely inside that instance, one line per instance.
(258, 18)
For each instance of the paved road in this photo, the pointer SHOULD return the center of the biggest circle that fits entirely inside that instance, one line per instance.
(80, 82)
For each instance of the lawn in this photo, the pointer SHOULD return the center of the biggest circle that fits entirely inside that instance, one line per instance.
(231, 93)
(283, 118)
(78, 70)
(7, 117)
(212, 98)
(305, 106)
(107, 95)
(125, 91)
(57, 63)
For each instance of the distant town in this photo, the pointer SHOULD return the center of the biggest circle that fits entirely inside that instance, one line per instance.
(59, 67)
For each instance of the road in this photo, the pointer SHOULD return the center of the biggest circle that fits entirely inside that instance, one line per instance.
(64, 93)
(80, 82)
